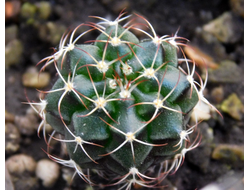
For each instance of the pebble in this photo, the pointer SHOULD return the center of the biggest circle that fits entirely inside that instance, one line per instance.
(233, 106)
(20, 163)
(9, 117)
(21, 168)
(225, 28)
(32, 78)
(201, 112)
(43, 9)
(230, 181)
(217, 94)
(200, 58)
(28, 123)
(12, 9)
(13, 52)
(51, 32)
(28, 10)
(229, 153)
(12, 138)
(48, 171)
(237, 7)
(228, 71)
(10, 33)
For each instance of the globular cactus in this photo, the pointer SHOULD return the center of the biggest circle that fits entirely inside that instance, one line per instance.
(122, 105)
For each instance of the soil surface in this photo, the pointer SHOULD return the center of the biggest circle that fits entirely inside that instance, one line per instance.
(201, 167)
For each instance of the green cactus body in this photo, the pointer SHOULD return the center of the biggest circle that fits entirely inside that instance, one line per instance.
(122, 105)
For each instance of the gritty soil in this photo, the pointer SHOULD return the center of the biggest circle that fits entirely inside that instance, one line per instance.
(166, 17)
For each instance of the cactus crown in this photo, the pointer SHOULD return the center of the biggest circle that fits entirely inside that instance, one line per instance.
(122, 105)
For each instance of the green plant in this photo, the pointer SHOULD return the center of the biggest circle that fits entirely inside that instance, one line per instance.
(121, 105)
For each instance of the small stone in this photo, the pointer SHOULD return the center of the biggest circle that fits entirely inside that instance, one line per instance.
(217, 94)
(237, 7)
(228, 71)
(51, 32)
(48, 171)
(233, 106)
(9, 117)
(13, 52)
(44, 9)
(12, 138)
(200, 58)
(28, 10)
(225, 28)
(20, 163)
(35, 79)
(12, 9)
(21, 168)
(229, 153)
(201, 112)
(10, 33)
(230, 181)
(27, 124)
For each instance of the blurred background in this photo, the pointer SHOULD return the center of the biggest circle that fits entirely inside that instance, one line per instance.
(215, 29)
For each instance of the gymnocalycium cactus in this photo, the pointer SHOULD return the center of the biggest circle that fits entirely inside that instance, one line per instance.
(122, 105)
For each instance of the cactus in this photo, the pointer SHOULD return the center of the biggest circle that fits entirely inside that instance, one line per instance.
(122, 105)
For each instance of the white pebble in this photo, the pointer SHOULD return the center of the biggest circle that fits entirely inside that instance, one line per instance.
(48, 171)
(20, 163)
